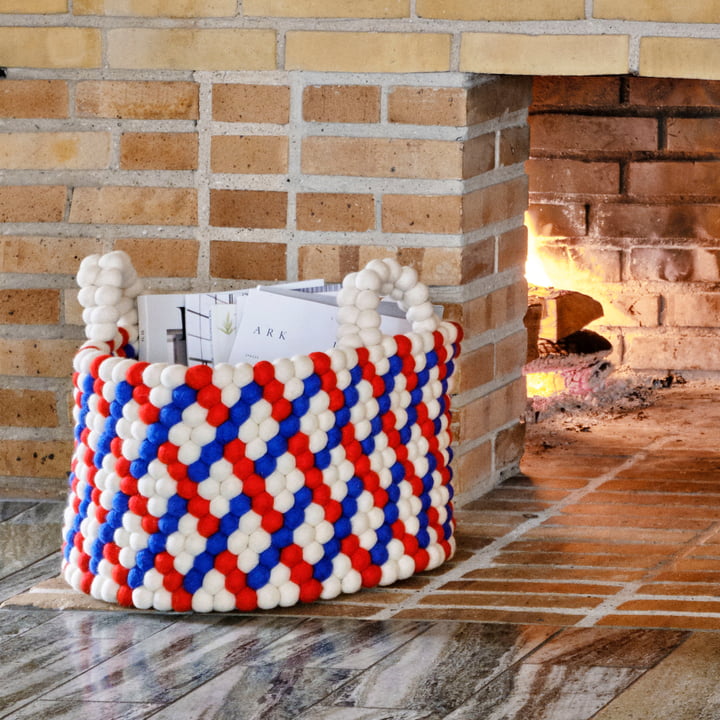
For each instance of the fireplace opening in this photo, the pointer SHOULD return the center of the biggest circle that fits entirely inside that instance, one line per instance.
(624, 212)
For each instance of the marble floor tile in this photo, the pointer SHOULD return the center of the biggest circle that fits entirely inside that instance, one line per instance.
(17, 621)
(324, 712)
(175, 660)
(439, 669)
(28, 576)
(682, 687)
(257, 692)
(547, 692)
(23, 544)
(73, 710)
(348, 644)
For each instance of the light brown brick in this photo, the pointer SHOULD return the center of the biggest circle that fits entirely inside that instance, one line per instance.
(475, 368)
(51, 47)
(341, 103)
(451, 265)
(28, 408)
(494, 203)
(248, 208)
(558, 133)
(45, 254)
(567, 219)
(327, 8)
(162, 257)
(35, 458)
(156, 8)
(473, 470)
(510, 354)
(478, 155)
(367, 51)
(37, 358)
(650, 11)
(491, 10)
(509, 447)
(251, 103)
(248, 260)
(61, 150)
(498, 308)
(159, 151)
(30, 307)
(33, 6)
(191, 49)
(137, 100)
(512, 249)
(253, 154)
(673, 351)
(331, 262)
(32, 203)
(675, 57)
(422, 214)
(34, 99)
(692, 310)
(134, 205)
(427, 106)
(381, 157)
(551, 175)
(495, 96)
(514, 145)
(509, 54)
(335, 212)
(599, 264)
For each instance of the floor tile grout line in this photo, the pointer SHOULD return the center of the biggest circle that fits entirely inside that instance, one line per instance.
(484, 557)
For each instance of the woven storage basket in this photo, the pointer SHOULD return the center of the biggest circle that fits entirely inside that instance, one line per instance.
(255, 486)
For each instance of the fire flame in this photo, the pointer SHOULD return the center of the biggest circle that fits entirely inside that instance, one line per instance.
(535, 272)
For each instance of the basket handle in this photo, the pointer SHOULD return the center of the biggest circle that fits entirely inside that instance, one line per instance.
(109, 285)
(358, 317)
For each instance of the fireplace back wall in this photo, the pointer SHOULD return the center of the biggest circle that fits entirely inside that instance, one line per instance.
(624, 189)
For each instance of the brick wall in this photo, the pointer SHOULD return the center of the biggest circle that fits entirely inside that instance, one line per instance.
(624, 170)
(219, 179)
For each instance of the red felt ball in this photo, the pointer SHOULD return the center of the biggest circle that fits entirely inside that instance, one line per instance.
(141, 394)
(333, 511)
(84, 562)
(273, 391)
(95, 364)
(198, 506)
(181, 599)
(321, 495)
(244, 468)
(305, 461)
(253, 485)
(234, 450)
(301, 573)
(217, 415)
(103, 407)
(371, 576)
(124, 596)
(272, 521)
(313, 478)
(281, 409)
(246, 600)
(361, 559)
(120, 574)
(138, 505)
(310, 591)
(177, 471)
(134, 374)
(111, 552)
(262, 503)
(164, 563)
(208, 396)
(298, 443)
(208, 525)
(129, 485)
(148, 413)
(263, 372)
(291, 555)
(235, 580)
(172, 580)
(422, 560)
(186, 488)
(226, 562)
(349, 544)
(321, 362)
(167, 453)
(198, 376)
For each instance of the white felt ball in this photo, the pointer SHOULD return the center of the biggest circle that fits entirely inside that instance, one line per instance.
(367, 300)
(194, 415)
(256, 448)
(304, 534)
(363, 428)
(284, 369)
(223, 601)
(294, 479)
(189, 452)
(247, 560)
(359, 523)
(348, 314)
(368, 539)
(223, 375)
(203, 434)
(259, 541)
(107, 295)
(160, 396)
(117, 259)
(268, 597)
(260, 410)
(124, 305)
(314, 514)
(110, 276)
(423, 311)
(285, 464)
(146, 485)
(368, 279)
(157, 506)
(242, 374)
(303, 366)
(324, 532)
(88, 270)
(131, 449)
(121, 537)
(103, 332)
(313, 553)
(237, 542)
(142, 598)
(284, 501)
(250, 522)
(380, 267)
(376, 517)
(202, 601)
(406, 567)
(338, 361)
(268, 429)
(127, 557)
(332, 587)
(368, 319)
(221, 469)
(134, 289)
(348, 282)
(109, 590)
(230, 395)
(230, 487)
(208, 489)
(436, 556)
(172, 376)
(183, 562)
(162, 600)
(138, 429)
(294, 388)
(213, 582)
(407, 279)
(389, 573)
(289, 594)
(187, 525)
(119, 368)
(426, 326)
(318, 441)
(179, 434)
(248, 431)
(416, 295)
(370, 336)
(395, 549)
(86, 296)
(153, 579)
(219, 506)
(352, 582)
(152, 374)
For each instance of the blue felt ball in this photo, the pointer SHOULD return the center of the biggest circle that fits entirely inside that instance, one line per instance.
(423, 538)
(351, 396)
(258, 577)
(323, 569)
(398, 472)
(354, 487)
(289, 426)
(176, 506)
(168, 524)
(312, 384)
(170, 415)
(239, 505)
(212, 452)
(203, 563)
(379, 554)
(343, 527)
(391, 513)
(294, 518)
(269, 557)
(356, 374)
(282, 538)
(192, 581)
(342, 416)
(183, 396)
(251, 393)
(135, 577)
(157, 433)
(300, 406)
(145, 559)
(323, 459)
(349, 506)
(332, 548)
(198, 471)
(240, 412)
(303, 497)
(216, 543)
(121, 502)
(367, 445)
(265, 465)
(276, 446)
(157, 542)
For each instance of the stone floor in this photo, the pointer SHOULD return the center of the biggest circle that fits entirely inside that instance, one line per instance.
(587, 587)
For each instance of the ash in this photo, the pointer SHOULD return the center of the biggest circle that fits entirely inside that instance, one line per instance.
(624, 391)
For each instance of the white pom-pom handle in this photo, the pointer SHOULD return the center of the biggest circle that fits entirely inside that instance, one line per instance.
(361, 294)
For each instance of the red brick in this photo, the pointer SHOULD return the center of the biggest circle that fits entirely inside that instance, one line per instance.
(514, 145)
(512, 249)
(693, 135)
(28, 408)
(34, 99)
(494, 203)
(42, 255)
(509, 445)
(510, 354)
(673, 351)
(565, 219)
(422, 214)
(140, 100)
(498, 96)
(564, 134)
(158, 151)
(249, 154)
(573, 176)
(248, 208)
(669, 92)
(478, 155)
(575, 91)
(648, 179)
(247, 260)
(645, 220)
(161, 257)
(30, 307)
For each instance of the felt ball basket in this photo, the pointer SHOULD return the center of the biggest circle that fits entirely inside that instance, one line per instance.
(238, 487)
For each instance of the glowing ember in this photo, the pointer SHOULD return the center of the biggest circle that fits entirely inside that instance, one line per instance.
(535, 272)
